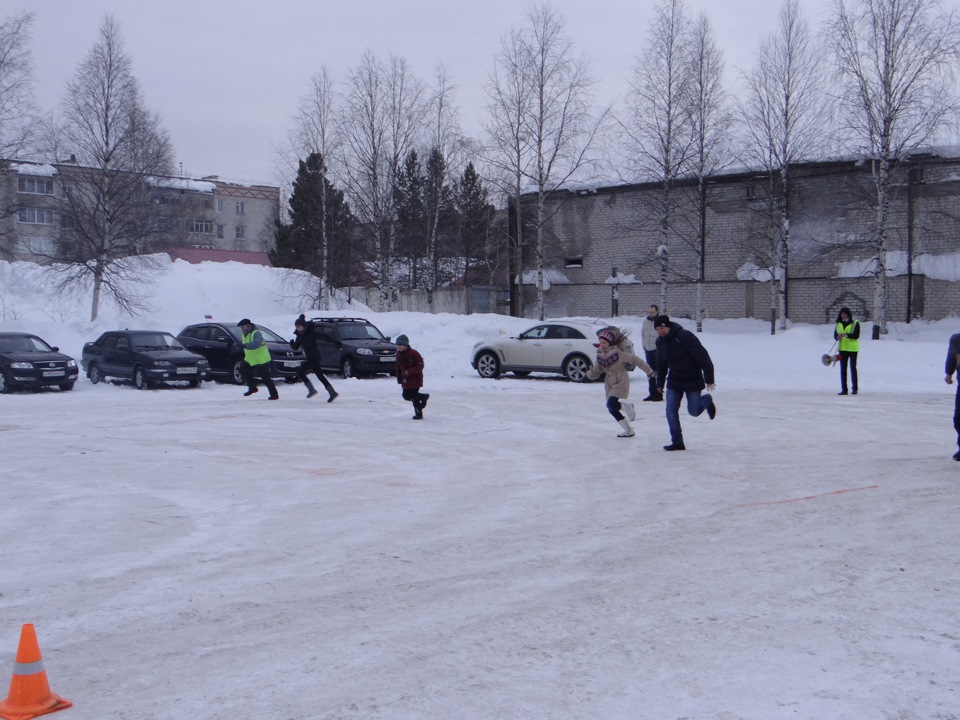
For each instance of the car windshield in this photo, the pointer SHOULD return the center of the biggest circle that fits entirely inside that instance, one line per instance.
(360, 331)
(23, 343)
(270, 335)
(155, 341)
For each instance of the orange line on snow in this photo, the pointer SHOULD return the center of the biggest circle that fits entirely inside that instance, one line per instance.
(810, 497)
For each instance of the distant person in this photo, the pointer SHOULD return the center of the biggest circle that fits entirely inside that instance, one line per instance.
(305, 337)
(614, 358)
(847, 334)
(256, 359)
(953, 357)
(683, 367)
(648, 336)
(410, 375)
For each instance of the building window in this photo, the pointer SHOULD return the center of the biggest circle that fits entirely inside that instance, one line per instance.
(200, 226)
(241, 208)
(220, 232)
(169, 199)
(573, 262)
(35, 216)
(240, 232)
(37, 245)
(207, 203)
(219, 205)
(35, 185)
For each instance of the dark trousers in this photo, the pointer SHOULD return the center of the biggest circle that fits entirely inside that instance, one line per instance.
(613, 407)
(956, 414)
(251, 372)
(651, 357)
(313, 365)
(847, 357)
(416, 397)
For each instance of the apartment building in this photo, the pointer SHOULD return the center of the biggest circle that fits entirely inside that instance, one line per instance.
(203, 212)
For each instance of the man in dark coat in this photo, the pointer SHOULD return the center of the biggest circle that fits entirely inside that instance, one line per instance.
(953, 357)
(683, 367)
(305, 337)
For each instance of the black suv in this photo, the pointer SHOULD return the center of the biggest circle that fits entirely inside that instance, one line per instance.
(26, 361)
(354, 346)
(147, 357)
(219, 343)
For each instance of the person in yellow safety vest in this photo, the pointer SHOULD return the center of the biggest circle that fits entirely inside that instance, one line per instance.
(847, 334)
(256, 359)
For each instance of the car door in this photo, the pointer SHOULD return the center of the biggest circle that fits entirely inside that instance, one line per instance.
(558, 343)
(328, 345)
(121, 357)
(216, 345)
(527, 349)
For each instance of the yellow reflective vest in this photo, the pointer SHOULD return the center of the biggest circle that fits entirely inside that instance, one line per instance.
(260, 353)
(848, 344)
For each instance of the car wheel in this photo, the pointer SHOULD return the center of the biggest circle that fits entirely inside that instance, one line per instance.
(575, 368)
(140, 379)
(521, 373)
(236, 374)
(94, 373)
(488, 364)
(4, 385)
(347, 369)
(66, 387)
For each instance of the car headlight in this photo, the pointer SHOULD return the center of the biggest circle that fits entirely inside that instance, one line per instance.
(202, 363)
(162, 363)
(22, 366)
(71, 363)
(364, 351)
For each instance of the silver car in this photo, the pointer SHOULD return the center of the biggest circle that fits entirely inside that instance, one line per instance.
(565, 348)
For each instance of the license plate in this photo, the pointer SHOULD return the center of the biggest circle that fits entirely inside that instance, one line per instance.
(387, 359)
(54, 373)
(186, 371)
(291, 364)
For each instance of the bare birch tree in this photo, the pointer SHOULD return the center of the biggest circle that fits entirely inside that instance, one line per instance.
(108, 204)
(655, 127)
(17, 109)
(508, 146)
(784, 119)
(382, 120)
(710, 122)
(894, 61)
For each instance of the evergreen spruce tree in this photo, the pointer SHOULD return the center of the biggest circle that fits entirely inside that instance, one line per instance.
(475, 214)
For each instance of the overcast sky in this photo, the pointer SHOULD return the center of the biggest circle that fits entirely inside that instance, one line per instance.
(226, 75)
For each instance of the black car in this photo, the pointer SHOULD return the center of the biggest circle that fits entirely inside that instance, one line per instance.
(354, 346)
(147, 357)
(219, 343)
(26, 361)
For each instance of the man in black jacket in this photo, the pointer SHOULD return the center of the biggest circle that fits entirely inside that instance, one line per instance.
(304, 330)
(684, 367)
(953, 357)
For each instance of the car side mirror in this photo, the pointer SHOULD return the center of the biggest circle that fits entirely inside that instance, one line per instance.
(55, 348)
(224, 338)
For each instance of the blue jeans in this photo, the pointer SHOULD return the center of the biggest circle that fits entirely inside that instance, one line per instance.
(697, 403)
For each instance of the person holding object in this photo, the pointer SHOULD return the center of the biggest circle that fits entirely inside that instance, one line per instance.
(683, 367)
(648, 336)
(953, 358)
(847, 334)
(256, 359)
(305, 332)
(613, 358)
(410, 375)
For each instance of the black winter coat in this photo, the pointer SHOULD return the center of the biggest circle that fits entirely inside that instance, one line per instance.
(689, 365)
(307, 339)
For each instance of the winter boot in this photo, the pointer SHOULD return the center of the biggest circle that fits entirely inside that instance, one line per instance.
(311, 390)
(250, 392)
(674, 446)
(423, 399)
(627, 430)
(629, 410)
(712, 409)
(333, 396)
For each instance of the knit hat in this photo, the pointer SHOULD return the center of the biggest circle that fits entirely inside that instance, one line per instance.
(661, 321)
(607, 334)
(402, 340)
(245, 321)
(302, 320)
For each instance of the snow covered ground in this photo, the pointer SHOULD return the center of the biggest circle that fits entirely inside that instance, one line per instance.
(194, 553)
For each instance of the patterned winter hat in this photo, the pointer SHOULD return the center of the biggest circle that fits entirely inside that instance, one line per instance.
(607, 334)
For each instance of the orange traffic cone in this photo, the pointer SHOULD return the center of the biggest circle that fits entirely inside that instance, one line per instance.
(30, 694)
